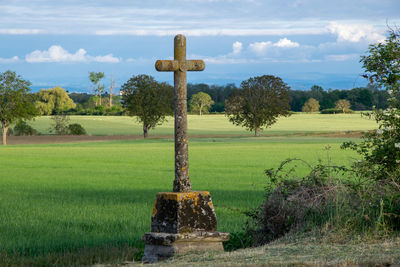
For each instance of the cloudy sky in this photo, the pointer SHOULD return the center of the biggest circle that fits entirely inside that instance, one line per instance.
(304, 42)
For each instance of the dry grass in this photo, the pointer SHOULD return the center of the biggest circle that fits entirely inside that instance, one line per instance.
(303, 252)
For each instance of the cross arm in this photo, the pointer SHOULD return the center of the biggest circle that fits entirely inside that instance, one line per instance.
(175, 65)
(167, 65)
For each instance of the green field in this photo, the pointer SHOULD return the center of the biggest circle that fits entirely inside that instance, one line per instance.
(64, 197)
(298, 123)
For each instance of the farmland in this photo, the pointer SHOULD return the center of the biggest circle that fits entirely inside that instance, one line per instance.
(298, 123)
(58, 198)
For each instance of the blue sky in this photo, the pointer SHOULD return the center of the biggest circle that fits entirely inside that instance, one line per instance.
(305, 42)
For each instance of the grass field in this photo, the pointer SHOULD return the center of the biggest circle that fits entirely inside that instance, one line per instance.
(65, 197)
(298, 123)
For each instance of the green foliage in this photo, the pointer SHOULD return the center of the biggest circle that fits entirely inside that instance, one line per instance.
(10, 132)
(22, 128)
(331, 200)
(54, 101)
(259, 103)
(15, 101)
(147, 99)
(238, 240)
(114, 111)
(60, 124)
(76, 129)
(336, 111)
(201, 102)
(381, 149)
(382, 65)
(99, 89)
(361, 98)
(218, 93)
(342, 104)
(312, 105)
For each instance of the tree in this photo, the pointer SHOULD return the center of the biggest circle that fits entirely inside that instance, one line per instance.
(53, 101)
(15, 101)
(311, 105)
(259, 102)
(342, 104)
(382, 66)
(95, 78)
(111, 92)
(380, 149)
(147, 99)
(201, 101)
(317, 92)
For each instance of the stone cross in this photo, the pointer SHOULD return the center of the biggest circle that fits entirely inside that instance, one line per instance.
(180, 66)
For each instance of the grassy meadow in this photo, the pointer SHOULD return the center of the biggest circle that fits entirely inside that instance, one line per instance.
(298, 123)
(59, 198)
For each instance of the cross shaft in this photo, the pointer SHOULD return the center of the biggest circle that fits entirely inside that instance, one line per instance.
(180, 66)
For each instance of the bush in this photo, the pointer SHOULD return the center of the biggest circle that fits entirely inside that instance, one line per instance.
(60, 124)
(22, 128)
(114, 111)
(76, 129)
(330, 199)
(335, 111)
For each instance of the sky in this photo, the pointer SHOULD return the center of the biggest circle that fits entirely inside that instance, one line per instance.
(305, 42)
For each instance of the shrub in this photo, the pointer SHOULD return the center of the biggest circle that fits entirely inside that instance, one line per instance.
(60, 124)
(76, 129)
(114, 111)
(335, 111)
(331, 111)
(329, 198)
(22, 128)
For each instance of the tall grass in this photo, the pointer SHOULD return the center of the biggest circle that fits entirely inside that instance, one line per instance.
(335, 202)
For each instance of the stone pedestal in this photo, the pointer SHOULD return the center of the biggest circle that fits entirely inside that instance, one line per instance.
(182, 222)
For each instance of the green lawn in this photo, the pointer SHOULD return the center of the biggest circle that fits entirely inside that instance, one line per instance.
(68, 197)
(218, 125)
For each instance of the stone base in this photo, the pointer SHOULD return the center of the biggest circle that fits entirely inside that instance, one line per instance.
(183, 212)
(161, 246)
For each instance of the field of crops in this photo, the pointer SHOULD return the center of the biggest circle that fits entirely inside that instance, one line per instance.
(298, 123)
(64, 197)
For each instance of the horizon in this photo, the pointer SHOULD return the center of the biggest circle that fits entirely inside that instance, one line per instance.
(305, 43)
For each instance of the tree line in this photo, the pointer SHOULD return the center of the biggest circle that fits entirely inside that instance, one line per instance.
(255, 104)
(205, 98)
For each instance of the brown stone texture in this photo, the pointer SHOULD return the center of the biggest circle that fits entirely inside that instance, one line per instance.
(188, 212)
(161, 246)
(180, 66)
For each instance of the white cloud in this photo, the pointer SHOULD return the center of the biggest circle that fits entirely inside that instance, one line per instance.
(211, 31)
(342, 57)
(260, 47)
(9, 60)
(109, 58)
(286, 43)
(355, 32)
(237, 47)
(20, 31)
(56, 53)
